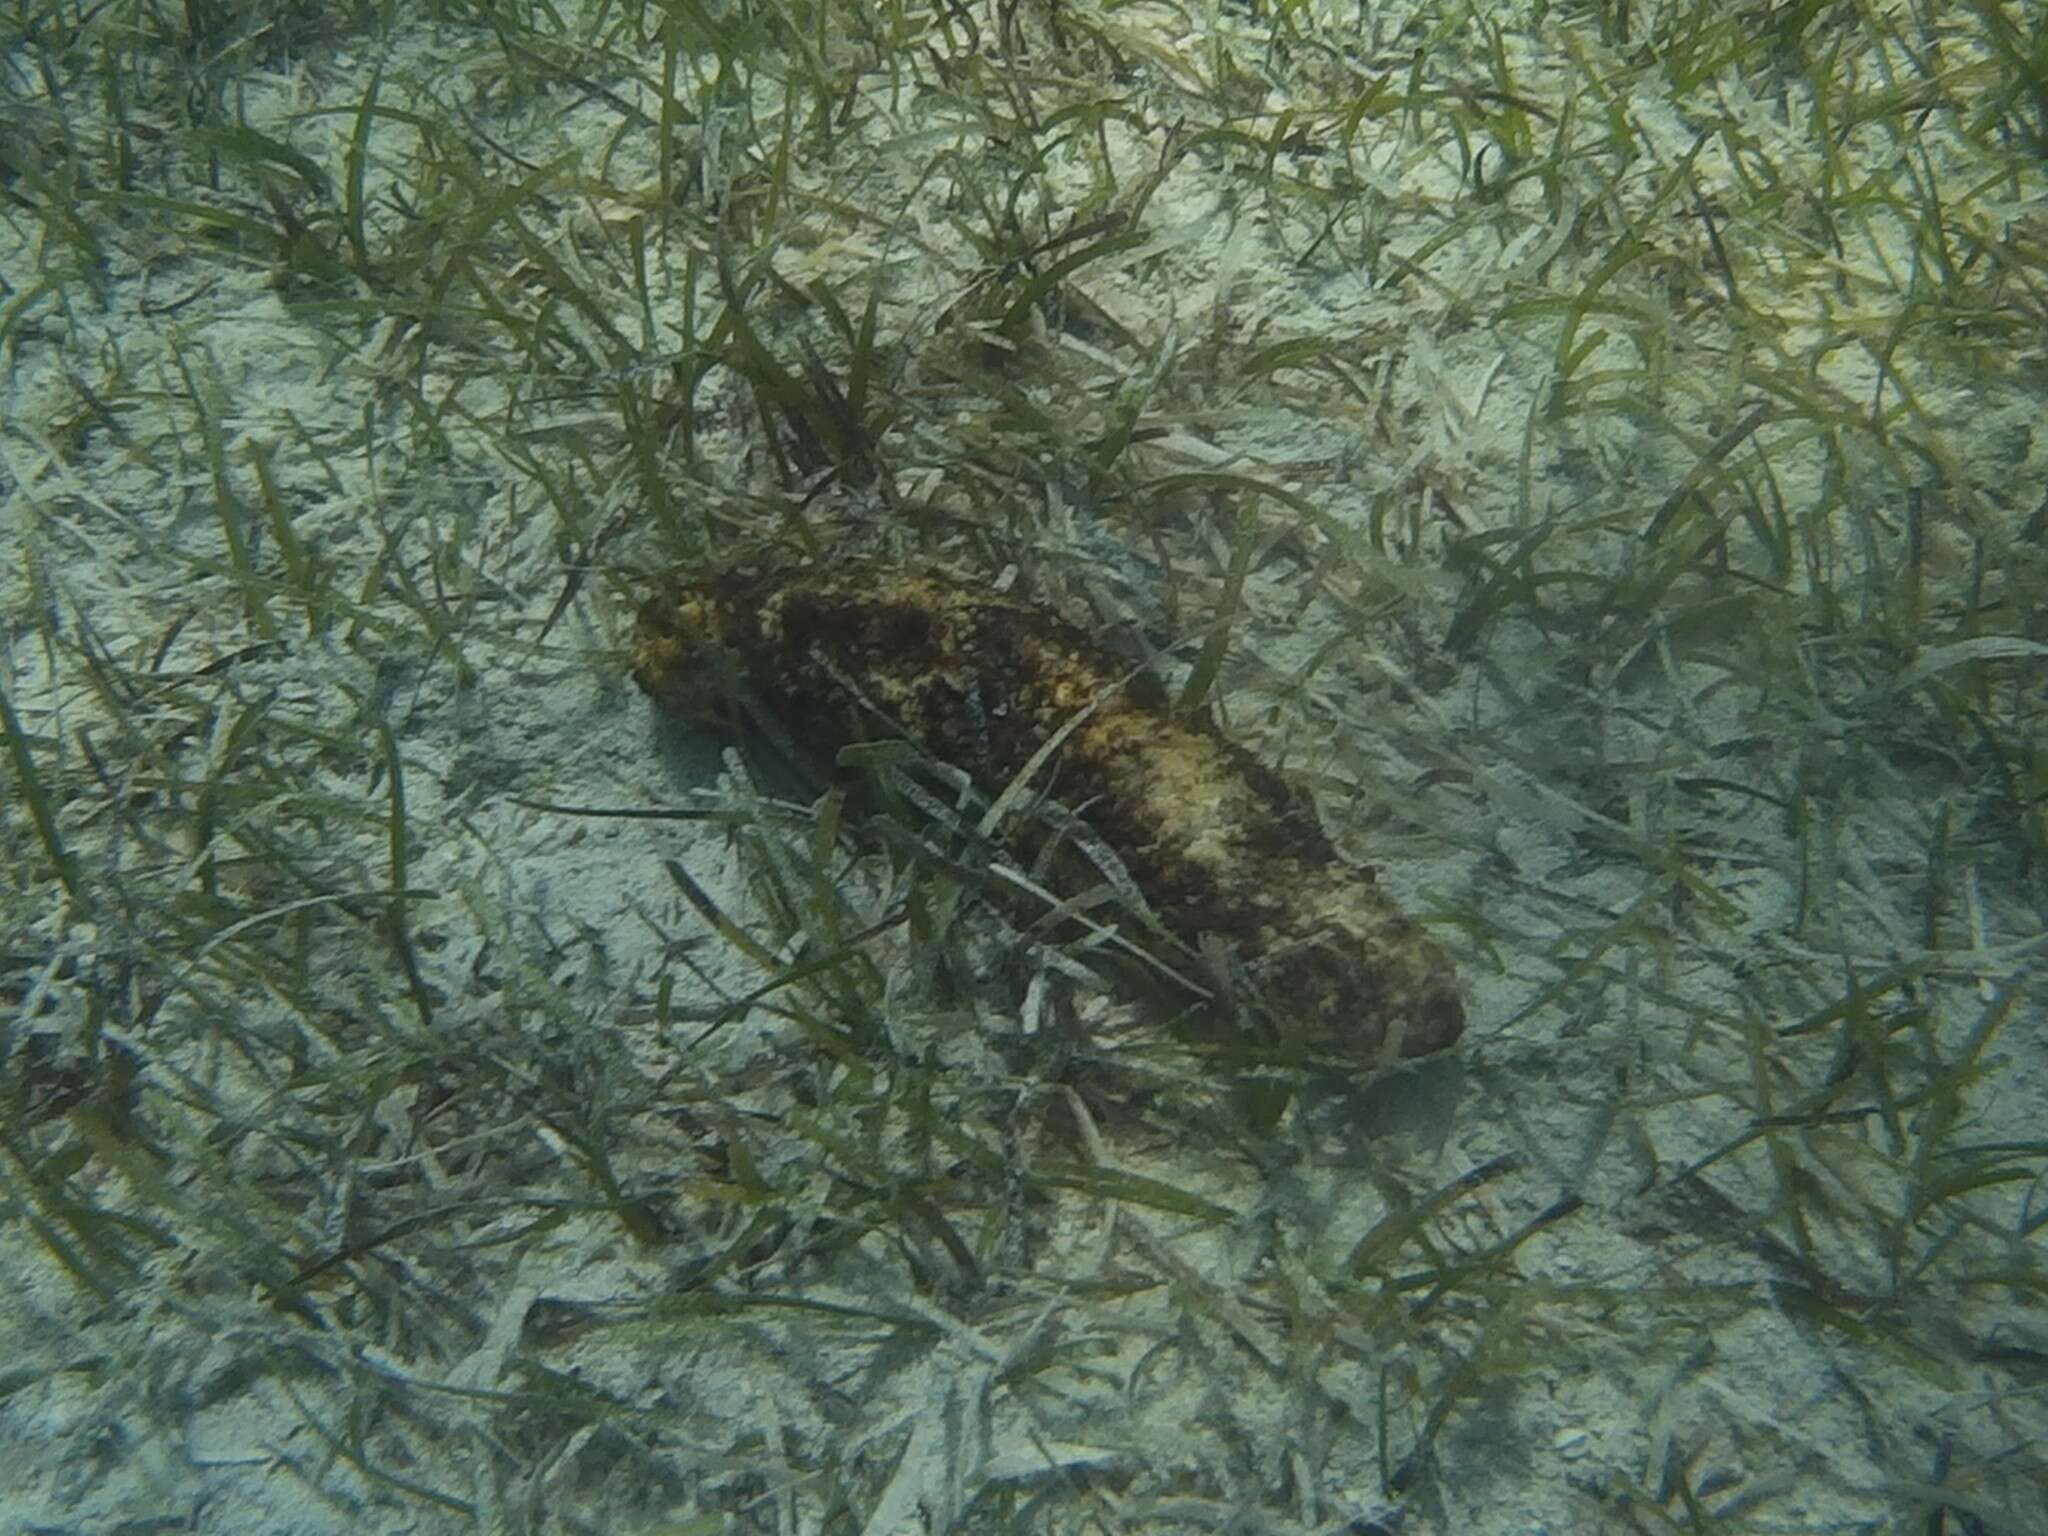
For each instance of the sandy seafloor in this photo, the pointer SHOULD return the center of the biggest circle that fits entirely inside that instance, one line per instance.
(1724, 1270)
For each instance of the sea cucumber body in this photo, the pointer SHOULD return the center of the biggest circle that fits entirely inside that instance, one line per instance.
(1216, 841)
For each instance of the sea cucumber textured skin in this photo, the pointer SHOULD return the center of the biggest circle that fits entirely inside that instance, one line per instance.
(1217, 842)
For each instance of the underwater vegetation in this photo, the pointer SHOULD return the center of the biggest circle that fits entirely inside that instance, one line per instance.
(1585, 460)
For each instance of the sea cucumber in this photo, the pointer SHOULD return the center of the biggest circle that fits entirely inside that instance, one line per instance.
(1217, 842)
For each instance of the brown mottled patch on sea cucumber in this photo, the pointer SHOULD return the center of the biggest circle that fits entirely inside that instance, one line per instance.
(1218, 842)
